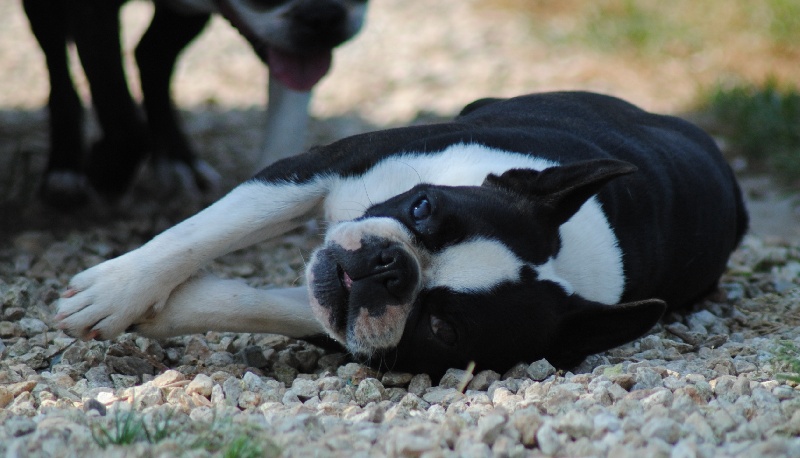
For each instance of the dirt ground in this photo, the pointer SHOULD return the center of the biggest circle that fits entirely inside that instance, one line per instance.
(414, 60)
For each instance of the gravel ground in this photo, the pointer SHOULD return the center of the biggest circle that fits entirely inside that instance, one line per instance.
(703, 384)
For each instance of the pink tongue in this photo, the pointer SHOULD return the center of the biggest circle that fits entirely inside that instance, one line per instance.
(299, 73)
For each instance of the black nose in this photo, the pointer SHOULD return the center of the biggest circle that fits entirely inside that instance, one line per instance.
(382, 272)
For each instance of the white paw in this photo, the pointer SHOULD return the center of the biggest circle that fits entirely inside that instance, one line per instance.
(104, 301)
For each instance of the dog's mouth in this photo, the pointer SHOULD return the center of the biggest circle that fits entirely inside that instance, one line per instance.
(299, 72)
(363, 298)
(346, 285)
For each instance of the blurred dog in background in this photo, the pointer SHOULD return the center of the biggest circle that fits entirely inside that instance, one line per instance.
(295, 38)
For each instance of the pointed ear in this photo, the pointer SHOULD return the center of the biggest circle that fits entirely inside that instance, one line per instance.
(596, 327)
(561, 190)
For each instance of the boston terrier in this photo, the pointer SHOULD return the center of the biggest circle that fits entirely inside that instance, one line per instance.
(294, 37)
(553, 225)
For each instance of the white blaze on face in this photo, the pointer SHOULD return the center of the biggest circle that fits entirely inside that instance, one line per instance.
(349, 234)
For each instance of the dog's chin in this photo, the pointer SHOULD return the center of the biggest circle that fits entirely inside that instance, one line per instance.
(331, 294)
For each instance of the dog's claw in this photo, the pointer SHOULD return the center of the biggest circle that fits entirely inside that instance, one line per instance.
(91, 335)
(68, 293)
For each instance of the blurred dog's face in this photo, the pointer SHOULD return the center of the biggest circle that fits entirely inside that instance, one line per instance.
(295, 37)
(440, 276)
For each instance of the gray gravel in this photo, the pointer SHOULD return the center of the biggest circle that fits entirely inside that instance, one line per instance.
(703, 384)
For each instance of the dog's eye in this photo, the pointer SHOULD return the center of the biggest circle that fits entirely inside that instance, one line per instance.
(443, 330)
(421, 209)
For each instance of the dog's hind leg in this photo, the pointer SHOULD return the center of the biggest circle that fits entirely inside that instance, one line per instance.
(115, 158)
(63, 184)
(169, 33)
(104, 300)
(207, 303)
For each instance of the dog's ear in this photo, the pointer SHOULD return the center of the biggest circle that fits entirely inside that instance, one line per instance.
(561, 190)
(593, 327)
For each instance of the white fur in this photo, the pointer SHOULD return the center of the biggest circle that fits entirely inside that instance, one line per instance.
(117, 293)
(154, 287)
(207, 303)
(287, 122)
(590, 261)
(457, 165)
(477, 265)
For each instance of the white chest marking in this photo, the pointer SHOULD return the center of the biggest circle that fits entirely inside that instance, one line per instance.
(477, 265)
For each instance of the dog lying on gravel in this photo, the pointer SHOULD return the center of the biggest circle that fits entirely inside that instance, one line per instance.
(294, 37)
(553, 226)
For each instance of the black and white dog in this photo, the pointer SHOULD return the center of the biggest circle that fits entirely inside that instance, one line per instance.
(294, 37)
(554, 225)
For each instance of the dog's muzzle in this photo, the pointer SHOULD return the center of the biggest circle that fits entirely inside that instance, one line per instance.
(363, 283)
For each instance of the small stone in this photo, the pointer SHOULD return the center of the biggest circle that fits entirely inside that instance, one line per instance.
(220, 358)
(32, 326)
(663, 428)
(540, 370)
(196, 350)
(19, 426)
(442, 396)
(419, 384)
(490, 427)
(455, 378)
(168, 378)
(369, 390)
(17, 389)
(575, 424)
(253, 356)
(519, 370)
(647, 378)
(147, 396)
(483, 380)
(527, 422)
(9, 329)
(548, 439)
(354, 373)
(330, 384)
(201, 384)
(398, 379)
(5, 396)
(414, 402)
(305, 389)
(232, 387)
(249, 400)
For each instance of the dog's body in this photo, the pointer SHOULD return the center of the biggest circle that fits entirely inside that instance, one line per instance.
(520, 230)
(295, 37)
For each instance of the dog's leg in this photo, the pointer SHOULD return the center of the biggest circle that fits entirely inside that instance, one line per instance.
(115, 158)
(206, 303)
(63, 183)
(104, 300)
(167, 36)
(287, 122)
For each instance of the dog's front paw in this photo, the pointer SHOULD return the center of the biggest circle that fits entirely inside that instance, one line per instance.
(104, 301)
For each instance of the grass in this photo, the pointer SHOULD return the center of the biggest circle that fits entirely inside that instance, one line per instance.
(221, 436)
(760, 123)
(787, 356)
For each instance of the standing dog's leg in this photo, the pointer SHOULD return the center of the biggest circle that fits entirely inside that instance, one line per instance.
(106, 299)
(63, 183)
(287, 119)
(167, 36)
(115, 159)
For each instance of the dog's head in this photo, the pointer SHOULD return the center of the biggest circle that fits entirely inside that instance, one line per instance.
(440, 276)
(295, 37)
